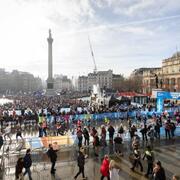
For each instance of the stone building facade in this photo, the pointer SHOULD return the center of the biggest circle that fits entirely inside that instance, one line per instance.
(171, 73)
(103, 78)
(167, 76)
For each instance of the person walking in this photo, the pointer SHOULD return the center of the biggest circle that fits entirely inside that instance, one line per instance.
(157, 129)
(27, 163)
(137, 159)
(96, 145)
(149, 155)
(1, 140)
(80, 163)
(158, 172)
(121, 130)
(151, 134)
(111, 131)
(18, 169)
(52, 154)
(105, 168)
(144, 132)
(114, 170)
(118, 142)
(86, 136)
(18, 133)
(79, 136)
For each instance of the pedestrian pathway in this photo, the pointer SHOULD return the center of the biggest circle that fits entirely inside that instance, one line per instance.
(167, 151)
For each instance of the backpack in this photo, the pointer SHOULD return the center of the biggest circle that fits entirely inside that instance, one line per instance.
(121, 130)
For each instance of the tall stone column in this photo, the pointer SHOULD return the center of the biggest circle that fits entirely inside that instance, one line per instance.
(50, 69)
(50, 80)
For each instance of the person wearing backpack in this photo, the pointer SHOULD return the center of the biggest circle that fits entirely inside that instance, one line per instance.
(121, 130)
(149, 155)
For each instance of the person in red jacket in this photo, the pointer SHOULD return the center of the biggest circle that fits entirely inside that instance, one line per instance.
(105, 168)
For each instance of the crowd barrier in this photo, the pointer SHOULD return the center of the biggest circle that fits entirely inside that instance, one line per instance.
(66, 153)
(111, 115)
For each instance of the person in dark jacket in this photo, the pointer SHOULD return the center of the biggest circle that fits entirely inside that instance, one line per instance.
(157, 129)
(149, 155)
(158, 172)
(1, 140)
(28, 163)
(168, 129)
(52, 154)
(144, 132)
(111, 133)
(81, 163)
(118, 142)
(19, 168)
(80, 137)
(173, 128)
(137, 159)
(86, 136)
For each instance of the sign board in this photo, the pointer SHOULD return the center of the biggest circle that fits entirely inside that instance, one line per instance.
(165, 95)
(154, 92)
(169, 95)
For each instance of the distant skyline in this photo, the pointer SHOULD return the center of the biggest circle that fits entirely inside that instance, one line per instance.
(125, 34)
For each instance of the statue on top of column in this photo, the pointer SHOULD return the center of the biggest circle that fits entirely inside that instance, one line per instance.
(49, 32)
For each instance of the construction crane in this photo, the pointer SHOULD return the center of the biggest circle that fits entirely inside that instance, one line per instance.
(95, 67)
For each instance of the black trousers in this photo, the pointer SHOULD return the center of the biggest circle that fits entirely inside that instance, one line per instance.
(135, 163)
(150, 168)
(167, 133)
(157, 134)
(86, 142)
(81, 170)
(80, 141)
(53, 163)
(144, 135)
(102, 177)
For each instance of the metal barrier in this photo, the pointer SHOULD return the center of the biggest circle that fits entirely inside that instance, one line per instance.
(67, 153)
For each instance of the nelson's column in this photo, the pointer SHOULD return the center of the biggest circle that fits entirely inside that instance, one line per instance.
(50, 81)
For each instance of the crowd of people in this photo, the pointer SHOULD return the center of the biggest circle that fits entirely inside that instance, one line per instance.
(46, 115)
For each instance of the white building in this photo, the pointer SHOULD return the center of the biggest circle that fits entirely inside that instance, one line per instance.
(103, 78)
(62, 83)
(83, 83)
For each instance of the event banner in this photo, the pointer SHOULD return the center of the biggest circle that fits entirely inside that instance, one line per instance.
(165, 95)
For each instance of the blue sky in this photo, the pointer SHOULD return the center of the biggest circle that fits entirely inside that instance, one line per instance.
(125, 34)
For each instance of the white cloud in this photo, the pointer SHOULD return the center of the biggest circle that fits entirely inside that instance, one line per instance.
(117, 44)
